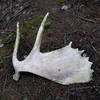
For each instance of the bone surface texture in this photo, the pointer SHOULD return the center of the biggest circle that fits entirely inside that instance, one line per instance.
(64, 65)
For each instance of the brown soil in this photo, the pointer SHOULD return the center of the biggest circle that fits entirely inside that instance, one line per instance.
(79, 24)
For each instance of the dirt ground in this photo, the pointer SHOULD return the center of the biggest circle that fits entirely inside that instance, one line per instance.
(80, 23)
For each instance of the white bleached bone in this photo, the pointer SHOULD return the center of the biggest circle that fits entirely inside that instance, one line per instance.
(64, 66)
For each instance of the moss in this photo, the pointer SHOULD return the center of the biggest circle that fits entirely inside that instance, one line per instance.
(62, 1)
(38, 17)
(33, 28)
(10, 45)
(24, 34)
(1, 61)
(1, 64)
(1, 40)
(11, 36)
(47, 24)
(27, 24)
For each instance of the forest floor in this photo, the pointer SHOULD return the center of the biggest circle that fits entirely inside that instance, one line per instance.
(78, 21)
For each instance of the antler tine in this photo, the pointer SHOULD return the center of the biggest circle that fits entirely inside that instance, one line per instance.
(15, 60)
(39, 34)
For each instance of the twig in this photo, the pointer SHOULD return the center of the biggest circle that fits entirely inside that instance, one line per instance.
(9, 56)
(18, 13)
(88, 20)
(13, 90)
(2, 17)
(11, 6)
(95, 49)
(29, 92)
(4, 74)
(97, 28)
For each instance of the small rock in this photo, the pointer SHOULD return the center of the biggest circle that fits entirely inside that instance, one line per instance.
(1, 45)
(65, 7)
(54, 10)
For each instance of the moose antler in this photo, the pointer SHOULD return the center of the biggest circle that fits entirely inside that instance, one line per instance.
(64, 66)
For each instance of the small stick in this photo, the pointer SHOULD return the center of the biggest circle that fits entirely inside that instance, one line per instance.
(88, 20)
